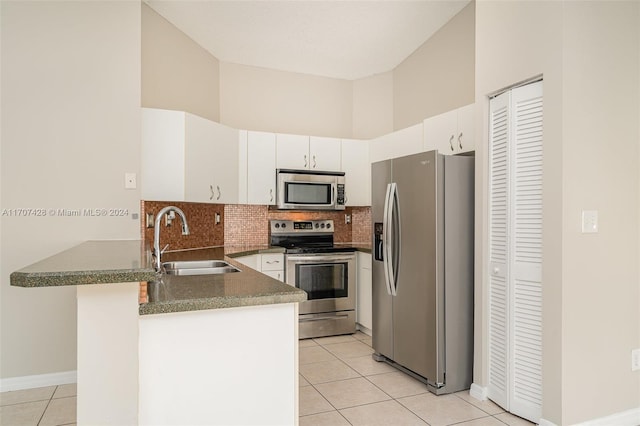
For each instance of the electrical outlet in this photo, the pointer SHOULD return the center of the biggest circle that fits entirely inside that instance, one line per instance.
(635, 359)
(150, 220)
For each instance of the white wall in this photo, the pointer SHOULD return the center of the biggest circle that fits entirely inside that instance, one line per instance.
(277, 101)
(588, 53)
(177, 73)
(70, 130)
(601, 111)
(439, 75)
(373, 106)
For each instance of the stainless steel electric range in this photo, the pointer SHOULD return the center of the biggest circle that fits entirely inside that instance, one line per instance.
(325, 271)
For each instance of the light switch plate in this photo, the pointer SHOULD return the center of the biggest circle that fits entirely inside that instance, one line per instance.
(635, 360)
(130, 181)
(589, 221)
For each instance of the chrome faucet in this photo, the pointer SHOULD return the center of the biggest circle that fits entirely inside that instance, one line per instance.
(156, 231)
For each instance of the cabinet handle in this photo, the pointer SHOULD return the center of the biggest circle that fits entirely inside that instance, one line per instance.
(305, 161)
(451, 142)
(314, 161)
(269, 262)
(212, 193)
(460, 140)
(271, 195)
(218, 197)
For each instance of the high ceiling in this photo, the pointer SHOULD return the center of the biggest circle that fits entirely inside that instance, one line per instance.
(348, 39)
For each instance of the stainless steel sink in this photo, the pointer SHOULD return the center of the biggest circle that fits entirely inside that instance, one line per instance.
(198, 267)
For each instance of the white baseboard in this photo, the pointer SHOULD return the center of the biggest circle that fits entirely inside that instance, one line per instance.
(625, 418)
(38, 381)
(478, 392)
(543, 422)
(364, 329)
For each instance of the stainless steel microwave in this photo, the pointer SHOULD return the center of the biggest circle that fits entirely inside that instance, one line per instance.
(310, 190)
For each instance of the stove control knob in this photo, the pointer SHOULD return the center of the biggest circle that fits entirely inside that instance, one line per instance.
(277, 225)
(317, 225)
(322, 226)
(328, 225)
(284, 225)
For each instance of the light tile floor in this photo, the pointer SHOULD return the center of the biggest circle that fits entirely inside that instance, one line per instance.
(340, 384)
(48, 406)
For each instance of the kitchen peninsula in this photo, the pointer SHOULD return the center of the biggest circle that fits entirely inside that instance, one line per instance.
(187, 356)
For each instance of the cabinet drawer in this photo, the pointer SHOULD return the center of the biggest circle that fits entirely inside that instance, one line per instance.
(272, 262)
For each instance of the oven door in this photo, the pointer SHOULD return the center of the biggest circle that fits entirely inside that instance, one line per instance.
(328, 279)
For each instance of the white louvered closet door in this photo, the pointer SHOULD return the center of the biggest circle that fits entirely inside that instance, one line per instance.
(515, 281)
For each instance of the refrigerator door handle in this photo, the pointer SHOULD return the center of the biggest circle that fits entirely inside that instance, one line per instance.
(391, 254)
(386, 238)
(396, 239)
(394, 226)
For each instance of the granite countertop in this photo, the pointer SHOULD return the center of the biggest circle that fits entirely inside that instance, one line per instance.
(116, 261)
(198, 292)
(92, 262)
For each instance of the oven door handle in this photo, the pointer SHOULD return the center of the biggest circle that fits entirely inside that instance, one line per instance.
(320, 258)
(324, 317)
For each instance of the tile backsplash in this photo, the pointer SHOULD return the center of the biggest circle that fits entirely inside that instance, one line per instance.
(246, 225)
(204, 232)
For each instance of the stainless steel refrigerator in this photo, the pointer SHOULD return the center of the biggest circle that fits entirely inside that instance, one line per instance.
(422, 214)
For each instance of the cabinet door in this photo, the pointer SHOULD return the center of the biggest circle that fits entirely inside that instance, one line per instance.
(199, 157)
(357, 172)
(324, 154)
(440, 133)
(398, 144)
(465, 137)
(224, 165)
(162, 171)
(252, 261)
(278, 275)
(292, 151)
(261, 168)
(364, 311)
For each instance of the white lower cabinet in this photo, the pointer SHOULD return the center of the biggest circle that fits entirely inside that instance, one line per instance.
(271, 264)
(364, 304)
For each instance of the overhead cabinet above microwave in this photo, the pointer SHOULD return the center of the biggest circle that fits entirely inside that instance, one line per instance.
(307, 153)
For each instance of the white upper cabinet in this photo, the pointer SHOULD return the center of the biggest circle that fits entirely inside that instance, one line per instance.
(188, 158)
(163, 146)
(261, 168)
(451, 132)
(357, 169)
(211, 159)
(397, 144)
(307, 153)
(324, 154)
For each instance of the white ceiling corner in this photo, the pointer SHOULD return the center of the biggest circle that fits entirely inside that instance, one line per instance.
(346, 39)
